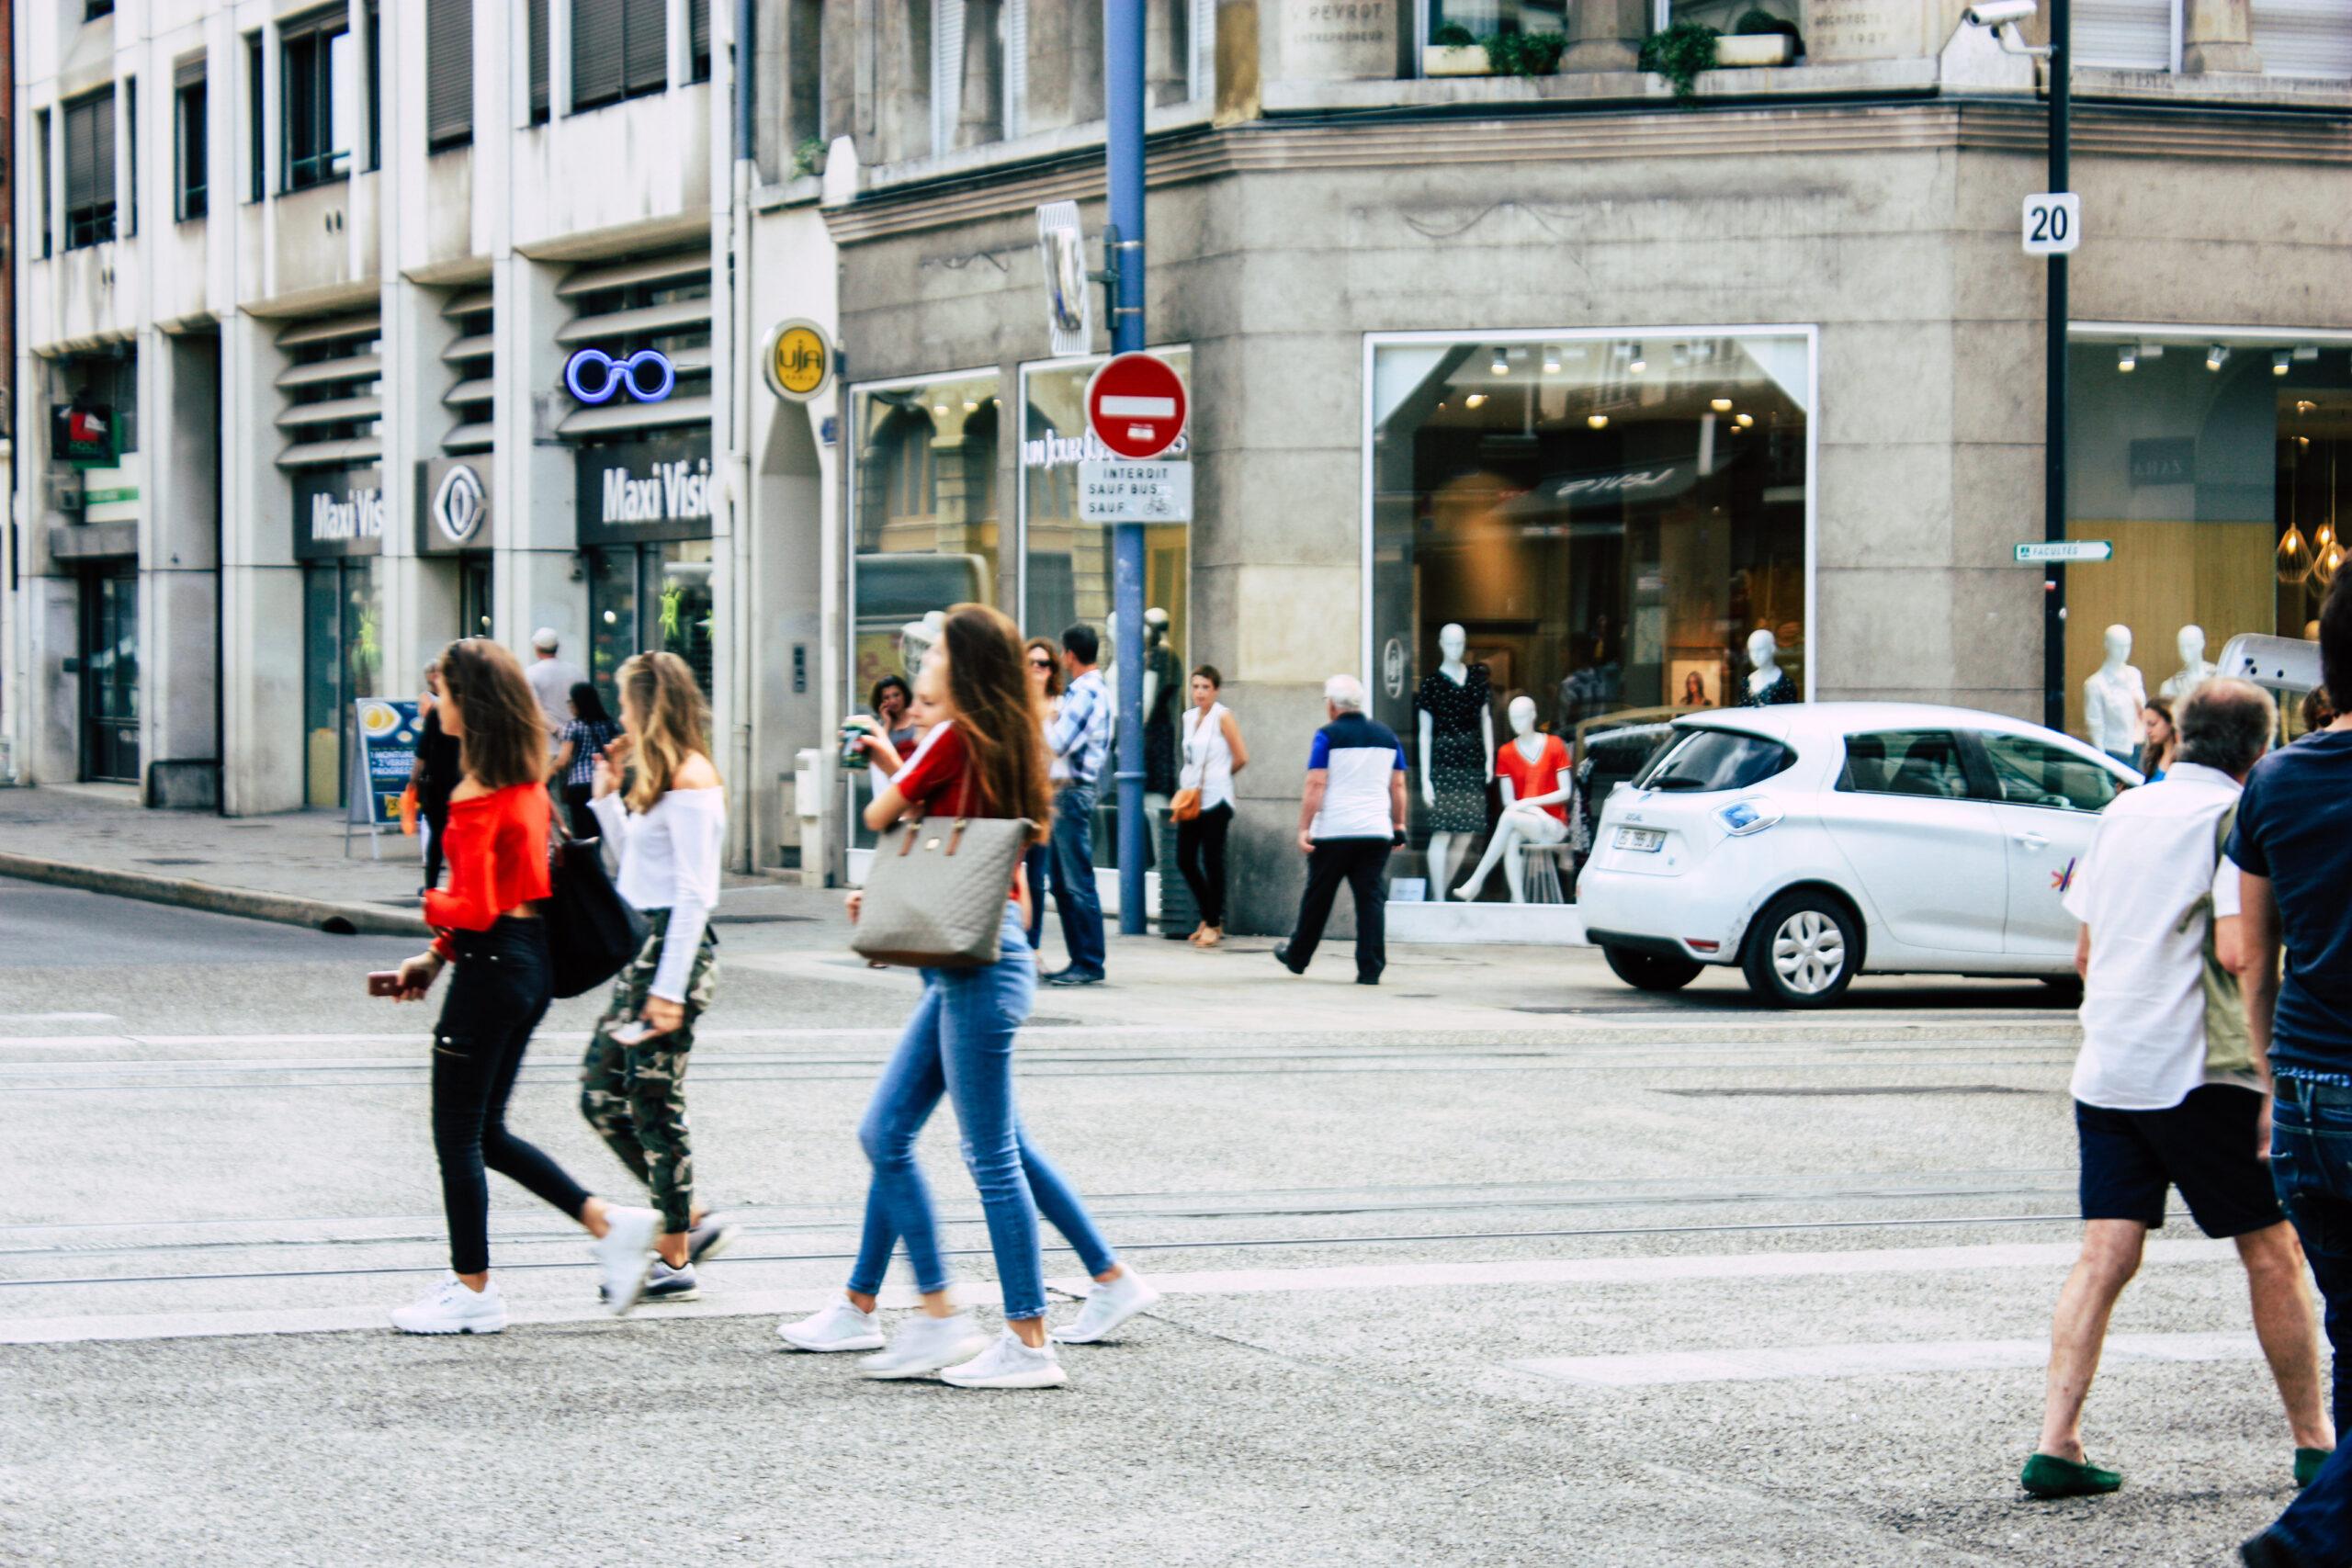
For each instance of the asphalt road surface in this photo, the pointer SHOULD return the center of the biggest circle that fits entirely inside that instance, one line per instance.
(1501, 1263)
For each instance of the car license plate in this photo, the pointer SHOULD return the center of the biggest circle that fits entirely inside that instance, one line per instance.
(1645, 840)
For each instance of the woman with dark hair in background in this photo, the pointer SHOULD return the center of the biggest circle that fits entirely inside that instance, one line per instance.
(487, 925)
(577, 750)
(1213, 753)
(1044, 670)
(985, 757)
(2160, 738)
(436, 774)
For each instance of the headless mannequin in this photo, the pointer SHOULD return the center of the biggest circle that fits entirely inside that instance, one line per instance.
(1522, 821)
(2195, 669)
(1452, 640)
(2113, 699)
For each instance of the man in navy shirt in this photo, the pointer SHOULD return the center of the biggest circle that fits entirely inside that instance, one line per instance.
(2293, 842)
(1351, 814)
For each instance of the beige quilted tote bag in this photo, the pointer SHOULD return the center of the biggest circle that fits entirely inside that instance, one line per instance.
(935, 893)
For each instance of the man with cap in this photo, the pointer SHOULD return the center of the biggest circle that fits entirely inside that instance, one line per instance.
(553, 680)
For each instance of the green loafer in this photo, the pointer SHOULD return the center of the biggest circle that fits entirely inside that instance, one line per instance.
(2047, 1475)
(2307, 1463)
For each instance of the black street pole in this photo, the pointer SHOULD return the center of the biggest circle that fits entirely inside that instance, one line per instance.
(2054, 499)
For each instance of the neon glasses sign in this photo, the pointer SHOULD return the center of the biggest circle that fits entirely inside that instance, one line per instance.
(594, 377)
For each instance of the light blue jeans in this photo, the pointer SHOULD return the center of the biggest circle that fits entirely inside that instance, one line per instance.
(959, 1044)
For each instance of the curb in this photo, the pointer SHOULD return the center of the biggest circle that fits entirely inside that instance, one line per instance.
(318, 914)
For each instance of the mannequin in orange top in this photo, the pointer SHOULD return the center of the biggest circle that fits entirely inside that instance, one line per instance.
(1537, 786)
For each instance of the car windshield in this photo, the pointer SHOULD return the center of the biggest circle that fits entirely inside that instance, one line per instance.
(1709, 760)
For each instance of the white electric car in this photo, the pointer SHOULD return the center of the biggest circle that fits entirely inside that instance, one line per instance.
(1812, 842)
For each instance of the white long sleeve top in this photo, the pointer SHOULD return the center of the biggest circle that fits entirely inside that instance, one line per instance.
(670, 861)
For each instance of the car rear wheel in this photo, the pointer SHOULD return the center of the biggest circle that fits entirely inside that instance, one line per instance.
(1802, 950)
(1651, 971)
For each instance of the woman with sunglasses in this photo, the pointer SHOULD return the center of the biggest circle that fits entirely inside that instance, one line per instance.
(1044, 663)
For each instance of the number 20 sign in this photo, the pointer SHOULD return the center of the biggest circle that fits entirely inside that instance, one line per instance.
(2054, 223)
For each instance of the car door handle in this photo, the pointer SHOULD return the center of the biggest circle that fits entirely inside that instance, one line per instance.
(2032, 841)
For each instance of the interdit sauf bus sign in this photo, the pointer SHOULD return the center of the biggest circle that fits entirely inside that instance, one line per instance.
(645, 489)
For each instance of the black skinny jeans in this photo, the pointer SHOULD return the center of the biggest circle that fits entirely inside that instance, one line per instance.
(497, 995)
(1199, 855)
(578, 814)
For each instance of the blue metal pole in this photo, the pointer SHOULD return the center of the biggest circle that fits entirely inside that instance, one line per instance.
(1123, 106)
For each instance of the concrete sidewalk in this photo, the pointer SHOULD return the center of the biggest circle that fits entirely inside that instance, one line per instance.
(293, 867)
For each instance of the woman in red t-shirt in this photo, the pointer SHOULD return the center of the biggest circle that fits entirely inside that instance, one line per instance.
(986, 757)
(487, 925)
(1537, 786)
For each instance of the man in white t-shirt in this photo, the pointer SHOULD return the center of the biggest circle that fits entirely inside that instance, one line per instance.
(551, 680)
(2150, 1112)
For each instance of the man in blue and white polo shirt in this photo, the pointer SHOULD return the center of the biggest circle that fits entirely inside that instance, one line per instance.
(1351, 816)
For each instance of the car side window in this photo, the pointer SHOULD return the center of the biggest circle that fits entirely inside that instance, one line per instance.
(1904, 761)
(2034, 773)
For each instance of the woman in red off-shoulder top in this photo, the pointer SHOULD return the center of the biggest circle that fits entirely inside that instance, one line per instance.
(485, 924)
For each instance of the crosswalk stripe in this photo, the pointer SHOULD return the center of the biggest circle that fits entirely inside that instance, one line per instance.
(1874, 1361)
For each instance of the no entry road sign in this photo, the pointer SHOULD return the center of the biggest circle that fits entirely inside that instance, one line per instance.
(1136, 405)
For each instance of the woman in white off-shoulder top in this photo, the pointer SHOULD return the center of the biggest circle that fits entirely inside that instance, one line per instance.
(670, 825)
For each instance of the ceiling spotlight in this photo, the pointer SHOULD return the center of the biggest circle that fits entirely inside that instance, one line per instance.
(940, 409)
(1743, 419)
(1501, 366)
(2215, 357)
(2127, 359)
(2304, 405)
(1476, 399)
(1641, 362)
(1550, 360)
(1597, 421)
(969, 406)
(1721, 405)
(2279, 361)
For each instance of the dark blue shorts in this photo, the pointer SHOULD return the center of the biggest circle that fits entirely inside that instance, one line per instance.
(2204, 1146)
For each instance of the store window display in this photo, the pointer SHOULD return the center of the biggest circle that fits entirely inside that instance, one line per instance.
(1457, 733)
(2114, 699)
(1537, 786)
(2214, 464)
(1767, 682)
(1604, 517)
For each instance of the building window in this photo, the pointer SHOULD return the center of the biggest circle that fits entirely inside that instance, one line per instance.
(699, 40)
(449, 74)
(89, 170)
(375, 19)
(130, 154)
(93, 9)
(42, 185)
(258, 118)
(1608, 519)
(620, 49)
(2221, 472)
(189, 141)
(542, 99)
(322, 93)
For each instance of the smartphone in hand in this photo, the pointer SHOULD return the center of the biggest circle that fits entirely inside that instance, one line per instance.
(384, 983)
(636, 1031)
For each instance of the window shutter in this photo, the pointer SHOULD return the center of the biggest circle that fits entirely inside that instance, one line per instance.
(1015, 16)
(448, 72)
(646, 32)
(2303, 38)
(80, 166)
(946, 72)
(1204, 40)
(536, 21)
(2125, 34)
(595, 52)
(188, 73)
(698, 38)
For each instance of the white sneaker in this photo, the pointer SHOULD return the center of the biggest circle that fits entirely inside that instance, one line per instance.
(1008, 1363)
(841, 1326)
(1107, 1307)
(626, 1256)
(453, 1307)
(925, 1345)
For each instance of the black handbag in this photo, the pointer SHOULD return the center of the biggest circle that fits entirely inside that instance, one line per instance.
(591, 930)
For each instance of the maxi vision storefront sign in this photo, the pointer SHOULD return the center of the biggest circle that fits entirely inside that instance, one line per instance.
(338, 512)
(643, 491)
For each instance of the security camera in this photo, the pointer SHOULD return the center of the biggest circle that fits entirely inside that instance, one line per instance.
(2000, 13)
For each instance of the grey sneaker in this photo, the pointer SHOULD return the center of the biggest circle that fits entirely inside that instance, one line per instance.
(714, 1236)
(925, 1345)
(1008, 1363)
(1107, 1307)
(839, 1327)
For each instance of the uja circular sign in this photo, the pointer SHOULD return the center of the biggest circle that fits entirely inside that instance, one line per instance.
(797, 360)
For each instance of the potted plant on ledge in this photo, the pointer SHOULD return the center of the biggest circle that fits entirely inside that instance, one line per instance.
(1759, 37)
(1452, 52)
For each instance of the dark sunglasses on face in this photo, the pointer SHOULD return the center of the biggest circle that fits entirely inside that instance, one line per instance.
(1041, 664)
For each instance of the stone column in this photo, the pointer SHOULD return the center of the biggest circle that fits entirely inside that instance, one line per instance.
(2219, 38)
(1606, 35)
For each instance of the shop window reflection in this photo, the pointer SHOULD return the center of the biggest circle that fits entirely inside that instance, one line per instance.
(1608, 519)
(2218, 472)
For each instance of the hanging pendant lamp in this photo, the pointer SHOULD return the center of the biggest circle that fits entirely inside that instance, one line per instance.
(2295, 559)
(2327, 545)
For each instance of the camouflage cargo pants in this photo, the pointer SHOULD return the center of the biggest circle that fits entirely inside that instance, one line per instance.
(635, 1096)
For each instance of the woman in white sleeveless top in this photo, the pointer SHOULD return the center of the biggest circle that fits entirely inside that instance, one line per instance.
(1213, 754)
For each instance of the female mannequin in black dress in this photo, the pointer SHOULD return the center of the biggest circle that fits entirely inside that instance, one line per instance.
(1457, 732)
